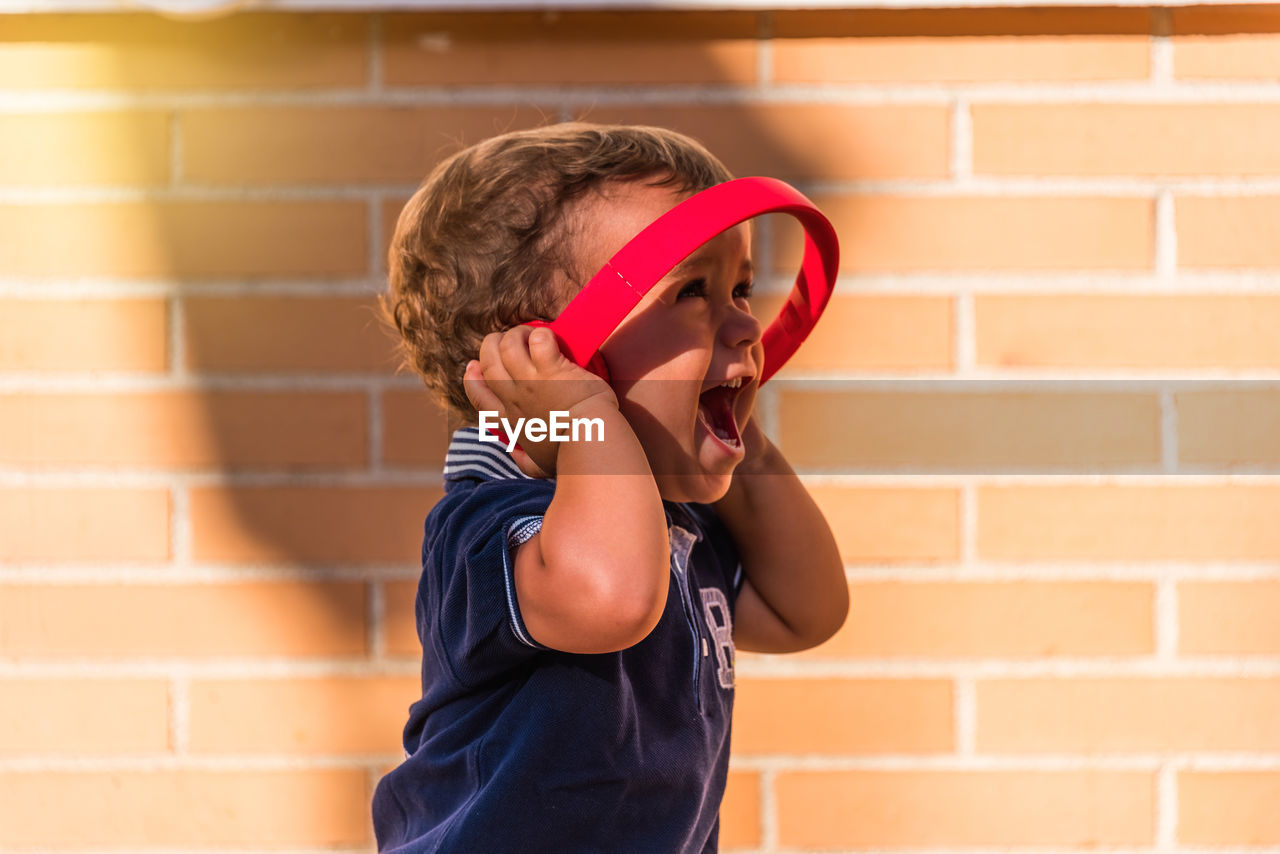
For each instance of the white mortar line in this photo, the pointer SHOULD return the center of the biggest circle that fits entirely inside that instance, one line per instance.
(265, 669)
(1144, 90)
(187, 573)
(1168, 430)
(965, 715)
(1102, 667)
(181, 554)
(256, 762)
(961, 141)
(375, 615)
(125, 382)
(965, 332)
(374, 424)
(1162, 77)
(768, 808)
(425, 477)
(906, 282)
(942, 763)
(177, 149)
(373, 65)
(1102, 186)
(180, 715)
(1165, 613)
(1166, 236)
(1146, 763)
(764, 50)
(180, 573)
(107, 288)
(268, 667)
(1167, 807)
(175, 340)
(968, 529)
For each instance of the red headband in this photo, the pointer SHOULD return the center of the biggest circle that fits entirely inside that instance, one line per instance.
(617, 288)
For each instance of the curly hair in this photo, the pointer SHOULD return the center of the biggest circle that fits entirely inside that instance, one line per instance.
(486, 242)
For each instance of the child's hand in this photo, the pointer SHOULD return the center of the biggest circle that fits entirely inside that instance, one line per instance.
(521, 373)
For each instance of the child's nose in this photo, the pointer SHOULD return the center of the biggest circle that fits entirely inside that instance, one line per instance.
(740, 328)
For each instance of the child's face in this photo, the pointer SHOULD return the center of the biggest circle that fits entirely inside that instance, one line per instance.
(692, 332)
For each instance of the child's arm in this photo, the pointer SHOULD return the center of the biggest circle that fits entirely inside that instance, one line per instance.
(594, 579)
(795, 595)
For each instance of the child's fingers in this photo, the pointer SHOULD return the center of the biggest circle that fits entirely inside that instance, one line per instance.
(514, 350)
(478, 391)
(493, 366)
(543, 349)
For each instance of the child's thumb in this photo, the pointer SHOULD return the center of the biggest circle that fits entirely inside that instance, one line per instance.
(545, 340)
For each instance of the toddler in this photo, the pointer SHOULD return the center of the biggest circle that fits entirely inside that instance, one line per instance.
(580, 602)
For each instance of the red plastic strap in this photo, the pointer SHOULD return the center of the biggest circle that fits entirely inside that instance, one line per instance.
(618, 287)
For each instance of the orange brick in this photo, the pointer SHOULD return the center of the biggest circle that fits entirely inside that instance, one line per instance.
(414, 430)
(183, 429)
(740, 811)
(1228, 427)
(569, 48)
(1173, 522)
(958, 59)
(236, 334)
(83, 334)
(291, 524)
(112, 621)
(892, 525)
(1242, 231)
(872, 333)
(963, 21)
(1228, 808)
(943, 809)
(969, 431)
(47, 717)
(128, 52)
(1225, 57)
(1129, 331)
(846, 716)
(808, 141)
(1228, 618)
(897, 233)
(1127, 715)
(312, 238)
(332, 715)
(400, 624)
(62, 149)
(277, 145)
(185, 807)
(993, 619)
(84, 524)
(1126, 139)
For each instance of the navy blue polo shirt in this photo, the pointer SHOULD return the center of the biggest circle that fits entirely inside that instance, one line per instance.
(515, 747)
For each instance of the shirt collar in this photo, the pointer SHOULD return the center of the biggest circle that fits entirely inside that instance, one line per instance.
(468, 458)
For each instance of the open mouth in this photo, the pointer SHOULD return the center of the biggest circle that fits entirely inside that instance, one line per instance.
(715, 411)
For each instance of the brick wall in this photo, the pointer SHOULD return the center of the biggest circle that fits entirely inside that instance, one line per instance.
(1048, 379)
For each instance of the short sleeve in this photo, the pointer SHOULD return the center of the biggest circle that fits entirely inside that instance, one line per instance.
(470, 606)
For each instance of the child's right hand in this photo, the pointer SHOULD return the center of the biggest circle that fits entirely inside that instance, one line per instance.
(521, 373)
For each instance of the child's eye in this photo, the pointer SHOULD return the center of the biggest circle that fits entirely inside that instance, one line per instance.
(743, 290)
(696, 288)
